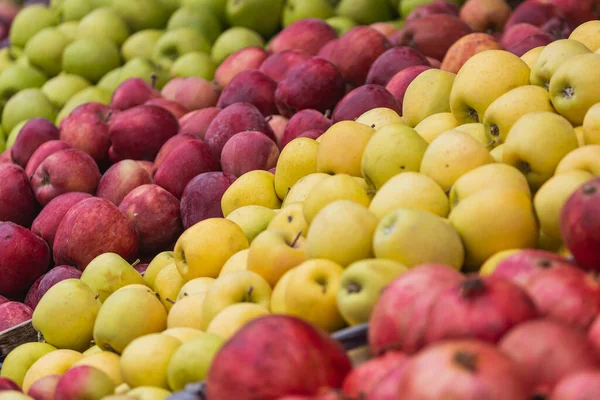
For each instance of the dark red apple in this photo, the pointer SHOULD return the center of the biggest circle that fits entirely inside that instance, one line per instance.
(246, 58)
(399, 83)
(251, 86)
(35, 132)
(277, 64)
(46, 281)
(393, 61)
(8, 384)
(17, 200)
(530, 42)
(278, 123)
(13, 313)
(312, 134)
(122, 178)
(578, 11)
(534, 12)
(44, 151)
(249, 151)
(303, 121)
(435, 7)
(201, 198)
(363, 99)
(175, 108)
(196, 122)
(308, 35)
(131, 93)
(167, 147)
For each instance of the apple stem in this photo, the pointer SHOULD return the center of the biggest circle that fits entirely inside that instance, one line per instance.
(96, 297)
(168, 300)
(153, 78)
(108, 347)
(248, 295)
(107, 118)
(296, 239)
(327, 114)
(472, 287)
(136, 262)
(268, 119)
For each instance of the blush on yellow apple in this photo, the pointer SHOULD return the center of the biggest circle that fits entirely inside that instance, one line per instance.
(297, 160)
(107, 362)
(302, 188)
(341, 148)
(410, 190)
(237, 262)
(232, 318)
(21, 358)
(426, 95)
(586, 158)
(377, 118)
(253, 188)
(432, 126)
(55, 362)
(552, 57)
(252, 219)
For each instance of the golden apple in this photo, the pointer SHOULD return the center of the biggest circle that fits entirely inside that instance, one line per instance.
(552, 57)
(379, 117)
(531, 56)
(589, 34)
(107, 362)
(479, 132)
(297, 160)
(497, 153)
(253, 188)
(432, 126)
(591, 125)
(187, 312)
(167, 285)
(277, 305)
(427, 94)
(195, 286)
(302, 188)
(237, 262)
(580, 135)
(55, 362)
(183, 334)
(160, 261)
(341, 148)
(232, 318)
(586, 158)
(290, 218)
(252, 219)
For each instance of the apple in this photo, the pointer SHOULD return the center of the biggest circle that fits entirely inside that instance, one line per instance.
(120, 179)
(25, 105)
(586, 34)
(84, 381)
(192, 93)
(248, 151)
(44, 50)
(398, 84)
(277, 64)
(201, 198)
(433, 7)
(366, 12)
(146, 69)
(140, 44)
(303, 121)
(42, 152)
(15, 78)
(144, 14)
(531, 42)
(428, 94)
(92, 94)
(307, 35)
(278, 124)
(365, 379)
(92, 227)
(167, 147)
(132, 92)
(17, 200)
(532, 12)
(393, 61)
(35, 132)
(250, 86)
(8, 384)
(65, 171)
(12, 314)
(485, 15)
(25, 257)
(30, 21)
(138, 133)
(234, 39)
(361, 100)
(46, 281)
(62, 87)
(577, 12)
(465, 48)
(207, 23)
(175, 43)
(194, 63)
(46, 223)
(253, 188)
(44, 388)
(91, 58)
(261, 16)
(312, 84)
(173, 107)
(196, 122)
(247, 58)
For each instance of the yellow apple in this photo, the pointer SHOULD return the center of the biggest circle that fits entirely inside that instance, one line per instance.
(589, 34)
(149, 393)
(586, 158)
(489, 266)
(237, 262)
(497, 153)
(195, 286)
(552, 57)
(580, 135)
(253, 188)
(183, 334)
(341, 148)
(341, 232)
(203, 249)
(311, 293)
(21, 358)
(492, 220)
(413, 237)
(337, 187)
(502, 114)
(486, 176)
(410, 190)
(55, 362)
(160, 261)
(274, 252)
(531, 56)
(451, 155)
(252, 219)
(107, 362)
(232, 318)
(393, 149)
(479, 132)
(432, 126)
(290, 218)
(277, 305)
(482, 79)
(522, 146)
(591, 125)
(379, 117)
(232, 288)
(297, 160)
(551, 197)
(167, 285)
(187, 312)
(427, 94)
(302, 188)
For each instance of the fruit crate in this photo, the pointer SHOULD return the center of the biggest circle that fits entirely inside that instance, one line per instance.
(15, 336)
(353, 339)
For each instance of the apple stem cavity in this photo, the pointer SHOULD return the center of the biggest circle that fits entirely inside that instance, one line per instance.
(353, 288)
(472, 287)
(588, 190)
(472, 113)
(108, 347)
(494, 131)
(466, 360)
(524, 167)
(96, 297)
(568, 93)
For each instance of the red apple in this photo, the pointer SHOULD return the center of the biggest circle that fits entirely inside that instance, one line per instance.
(44, 151)
(435, 7)
(147, 165)
(577, 386)
(196, 122)
(399, 83)
(35, 132)
(278, 124)
(122, 178)
(8, 384)
(131, 93)
(155, 215)
(248, 151)
(465, 48)
(182, 163)
(193, 93)
(578, 11)
(12, 314)
(251, 86)
(46, 281)
(277, 64)
(24, 257)
(175, 108)
(246, 58)
(387, 387)
(364, 378)
(393, 61)
(138, 133)
(308, 35)
(44, 388)
(326, 51)
(312, 84)
(311, 134)
(485, 15)
(522, 266)
(303, 121)
(17, 200)
(534, 12)
(92, 227)
(385, 28)
(363, 99)
(5, 157)
(518, 32)
(3, 299)
(83, 382)
(282, 348)
(530, 42)
(167, 147)
(65, 171)
(201, 198)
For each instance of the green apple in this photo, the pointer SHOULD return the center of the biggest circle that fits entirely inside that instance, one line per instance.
(198, 18)
(62, 87)
(173, 44)
(7, 58)
(216, 6)
(234, 39)
(18, 77)
(405, 7)
(102, 3)
(143, 68)
(103, 23)
(2, 143)
(252, 219)
(190, 363)
(551, 57)
(341, 24)
(14, 133)
(194, 63)
(44, 50)
(111, 81)
(262, 16)
(74, 10)
(295, 10)
(109, 272)
(170, 5)
(91, 94)
(30, 21)
(91, 58)
(142, 14)
(362, 283)
(27, 104)
(140, 44)
(69, 28)
(366, 11)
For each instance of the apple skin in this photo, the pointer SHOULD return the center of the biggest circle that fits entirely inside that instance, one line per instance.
(233, 119)
(132, 92)
(393, 61)
(578, 11)
(435, 7)
(308, 35)
(248, 151)
(399, 83)
(47, 221)
(326, 51)
(312, 84)
(248, 58)
(13, 313)
(282, 348)
(523, 265)
(167, 147)
(6, 383)
(175, 108)
(515, 33)
(46, 281)
(523, 46)
(365, 378)
(182, 163)
(277, 64)
(251, 86)
(303, 121)
(196, 122)
(122, 178)
(86, 129)
(44, 388)
(466, 47)
(17, 200)
(363, 99)
(201, 198)
(193, 93)
(92, 227)
(24, 257)
(310, 134)
(65, 171)
(46, 149)
(3, 299)
(356, 51)
(485, 15)
(35, 132)
(138, 133)
(155, 215)
(534, 12)
(5, 157)
(278, 123)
